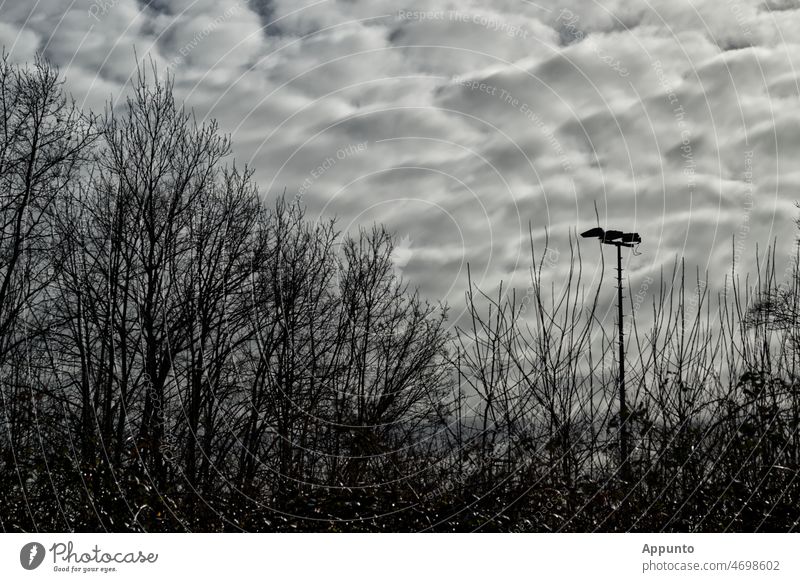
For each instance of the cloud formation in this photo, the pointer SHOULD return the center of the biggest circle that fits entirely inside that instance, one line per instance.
(461, 123)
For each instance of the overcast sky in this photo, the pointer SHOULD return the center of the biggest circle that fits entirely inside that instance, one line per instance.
(458, 123)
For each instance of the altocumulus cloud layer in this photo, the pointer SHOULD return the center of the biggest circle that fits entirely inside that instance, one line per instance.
(457, 124)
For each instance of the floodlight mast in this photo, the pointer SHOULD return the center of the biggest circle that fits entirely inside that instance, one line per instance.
(619, 239)
(623, 404)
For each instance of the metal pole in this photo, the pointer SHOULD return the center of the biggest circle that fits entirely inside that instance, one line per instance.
(619, 239)
(623, 407)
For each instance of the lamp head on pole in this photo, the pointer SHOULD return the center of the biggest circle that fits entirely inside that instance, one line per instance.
(613, 237)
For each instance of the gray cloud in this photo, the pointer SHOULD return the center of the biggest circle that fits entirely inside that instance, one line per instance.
(478, 117)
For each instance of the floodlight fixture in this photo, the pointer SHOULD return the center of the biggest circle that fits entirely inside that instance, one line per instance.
(619, 239)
